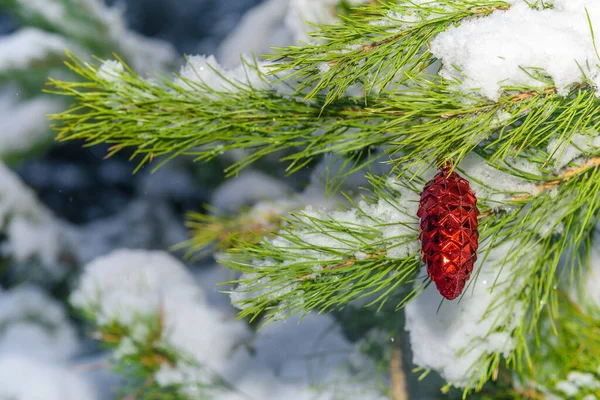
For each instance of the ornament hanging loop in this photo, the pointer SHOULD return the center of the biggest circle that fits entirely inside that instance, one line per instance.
(446, 165)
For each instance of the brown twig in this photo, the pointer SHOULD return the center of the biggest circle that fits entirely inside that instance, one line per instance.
(532, 93)
(514, 99)
(567, 175)
(551, 184)
(398, 389)
(483, 10)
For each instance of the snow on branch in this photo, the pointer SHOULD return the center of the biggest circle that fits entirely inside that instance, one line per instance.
(147, 306)
(490, 53)
(453, 337)
(94, 26)
(381, 50)
(24, 124)
(321, 260)
(426, 122)
(52, 382)
(37, 49)
(34, 325)
(32, 232)
(32, 48)
(524, 135)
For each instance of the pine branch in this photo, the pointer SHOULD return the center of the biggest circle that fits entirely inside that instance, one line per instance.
(312, 263)
(427, 122)
(539, 276)
(369, 253)
(380, 48)
(140, 352)
(569, 347)
(224, 232)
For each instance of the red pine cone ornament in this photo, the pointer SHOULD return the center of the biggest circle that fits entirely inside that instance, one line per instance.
(449, 236)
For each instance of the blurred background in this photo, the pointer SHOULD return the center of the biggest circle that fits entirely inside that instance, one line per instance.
(65, 209)
(75, 182)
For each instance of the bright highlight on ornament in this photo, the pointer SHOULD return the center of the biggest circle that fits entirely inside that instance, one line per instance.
(448, 234)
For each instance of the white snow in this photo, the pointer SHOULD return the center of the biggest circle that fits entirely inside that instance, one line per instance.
(16, 198)
(565, 151)
(567, 388)
(452, 339)
(396, 220)
(584, 380)
(277, 23)
(260, 28)
(291, 362)
(35, 325)
(24, 124)
(128, 283)
(393, 226)
(110, 71)
(490, 184)
(576, 381)
(32, 231)
(27, 240)
(204, 332)
(23, 378)
(28, 46)
(254, 286)
(207, 71)
(489, 53)
(306, 359)
(248, 188)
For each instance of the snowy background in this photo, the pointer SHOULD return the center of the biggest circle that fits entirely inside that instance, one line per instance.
(82, 232)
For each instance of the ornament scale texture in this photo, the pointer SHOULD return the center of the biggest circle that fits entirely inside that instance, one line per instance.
(449, 236)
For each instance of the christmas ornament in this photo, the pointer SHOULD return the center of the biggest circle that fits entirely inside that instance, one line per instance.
(449, 236)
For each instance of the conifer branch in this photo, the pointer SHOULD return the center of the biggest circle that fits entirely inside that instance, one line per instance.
(225, 232)
(141, 350)
(381, 48)
(429, 121)
(287, 274)
(317, 260)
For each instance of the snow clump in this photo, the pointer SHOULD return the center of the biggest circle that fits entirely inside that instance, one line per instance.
(452, 339)
(23, 378)
(488, 53)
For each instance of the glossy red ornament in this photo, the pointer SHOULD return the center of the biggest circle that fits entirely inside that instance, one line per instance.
(449, 235)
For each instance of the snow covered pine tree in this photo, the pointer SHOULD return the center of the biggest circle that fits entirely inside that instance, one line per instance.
(372, 104)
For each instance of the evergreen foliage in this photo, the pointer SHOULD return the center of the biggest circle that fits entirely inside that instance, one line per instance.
(368, 91)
